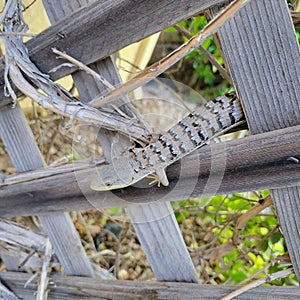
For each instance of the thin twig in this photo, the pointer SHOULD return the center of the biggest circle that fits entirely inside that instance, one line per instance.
(48, 171)
(29, 5)
(43, 283)
(159, 67)
(87, 231)
(209, 56)
(17, 34)
(51, 144)
(106, 83)
(267, 279)
(263, 270)
(253, 211)
(83, 67)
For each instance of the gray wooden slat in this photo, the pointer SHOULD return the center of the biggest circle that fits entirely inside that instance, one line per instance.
(160, 236)
(263, 55)
(21, 146)
(67, 287)
(95, 25)
(5, 293)
(177, 264)
(255, 162)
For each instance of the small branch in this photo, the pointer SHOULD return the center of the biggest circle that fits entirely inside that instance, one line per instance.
(48, 171)
(209, 56)
(165, 63)
(17, 34)
(242, 220)
(83, 67)
(43, 283)
(267, 279)
(106, 83)
(87, 231)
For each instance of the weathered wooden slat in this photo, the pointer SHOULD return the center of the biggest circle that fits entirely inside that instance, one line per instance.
(156, 232)
(14, 134)
(5, 293)
(263, 55)
(254, 162)
(86, 86)
(90, 34)
(25, 155)
(67, 287)
(162, 241)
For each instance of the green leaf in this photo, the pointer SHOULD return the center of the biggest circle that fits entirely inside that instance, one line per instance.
(264, 246)
(275, 237)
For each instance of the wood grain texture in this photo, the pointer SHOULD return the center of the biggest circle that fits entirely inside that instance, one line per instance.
(25, 155)
(153, 236)
(90, 34)
(86, 86)
(153, 232)
(67, 287)
(263, 55)
(162, 241)
(5, 293)
(254, 162)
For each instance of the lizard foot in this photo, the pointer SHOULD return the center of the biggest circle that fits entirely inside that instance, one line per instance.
(159, 177)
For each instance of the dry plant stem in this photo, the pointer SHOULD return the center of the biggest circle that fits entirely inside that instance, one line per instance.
(105, 82)
(165, 63)
(209, 56)
(83, 67)
(268, 278)
(48, 171)
(17, 34)
(266, 237)
(30, 279)
(44, 279)
(87, 231)
(241, 222)
(53, 139)
(27, 77)
(263, 270)
(76, 109)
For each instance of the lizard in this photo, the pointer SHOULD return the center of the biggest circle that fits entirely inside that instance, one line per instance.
(194, 131)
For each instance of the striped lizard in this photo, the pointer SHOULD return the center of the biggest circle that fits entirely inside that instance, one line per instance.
(194, 131)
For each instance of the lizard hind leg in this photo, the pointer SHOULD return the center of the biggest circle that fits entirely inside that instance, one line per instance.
(159, 177)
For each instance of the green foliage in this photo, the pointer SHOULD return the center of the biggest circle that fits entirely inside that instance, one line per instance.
(260, 248)
(210, 83)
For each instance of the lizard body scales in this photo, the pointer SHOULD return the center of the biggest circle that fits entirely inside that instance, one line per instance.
(192, 132)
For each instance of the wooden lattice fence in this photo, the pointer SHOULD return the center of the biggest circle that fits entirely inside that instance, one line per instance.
(267, 82)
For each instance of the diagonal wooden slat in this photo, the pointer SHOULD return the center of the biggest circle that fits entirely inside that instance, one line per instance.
(172, 262)
(95, 24)
(25, 155)
(263, 55)
(5, 293)
(160, 236)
